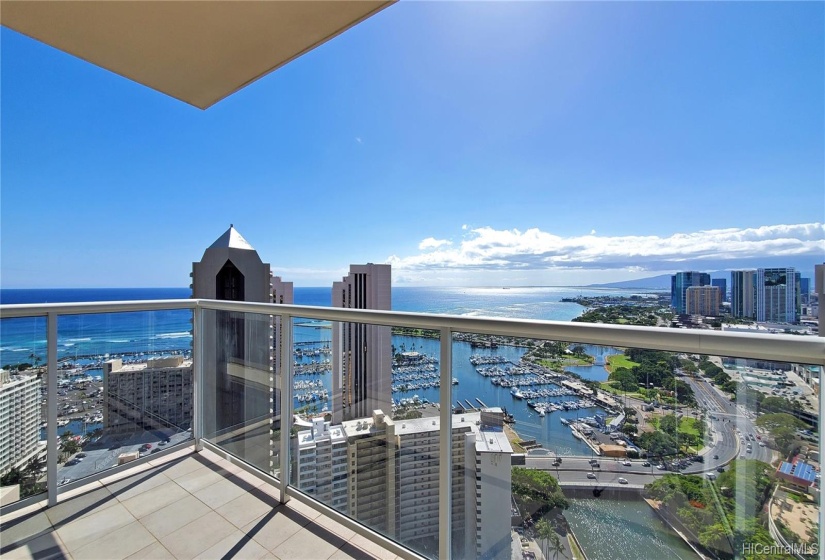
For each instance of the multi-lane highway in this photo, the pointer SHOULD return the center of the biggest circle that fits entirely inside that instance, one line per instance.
(730, 428)
(729, 423)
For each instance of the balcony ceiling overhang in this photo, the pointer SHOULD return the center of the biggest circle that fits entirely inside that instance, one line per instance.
(196, 51)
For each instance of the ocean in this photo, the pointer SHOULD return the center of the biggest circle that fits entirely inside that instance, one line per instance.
(87, 337)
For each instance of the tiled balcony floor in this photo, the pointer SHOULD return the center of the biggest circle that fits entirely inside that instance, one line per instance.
(184, 506)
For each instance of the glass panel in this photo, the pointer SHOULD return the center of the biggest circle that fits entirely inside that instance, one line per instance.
(22, 408)
(616, 449)
(124, 388)
(364, 442)
(241, 403)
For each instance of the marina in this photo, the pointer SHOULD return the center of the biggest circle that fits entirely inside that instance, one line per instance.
(83, 349)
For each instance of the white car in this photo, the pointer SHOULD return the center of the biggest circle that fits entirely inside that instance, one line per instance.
(627, 463)
(622, 480)
(591, 475)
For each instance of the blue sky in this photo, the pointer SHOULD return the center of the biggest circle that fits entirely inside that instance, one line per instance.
(467, 143)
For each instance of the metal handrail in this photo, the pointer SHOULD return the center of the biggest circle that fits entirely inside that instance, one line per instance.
(777, 348)
(774, 347)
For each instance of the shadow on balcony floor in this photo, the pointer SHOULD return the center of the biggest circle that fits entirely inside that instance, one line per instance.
(181, 506)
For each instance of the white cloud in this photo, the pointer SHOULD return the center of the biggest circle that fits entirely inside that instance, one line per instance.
(513, 250)
(592, 232)
(433, 243)
(464, 227)
(358, 139)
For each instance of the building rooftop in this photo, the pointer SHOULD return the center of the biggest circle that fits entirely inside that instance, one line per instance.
(799, 469)
(489, 441)
(433, 423)
(182, 505)
(231, 239)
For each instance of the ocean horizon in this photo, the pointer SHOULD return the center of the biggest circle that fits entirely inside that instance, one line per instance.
(170, 330)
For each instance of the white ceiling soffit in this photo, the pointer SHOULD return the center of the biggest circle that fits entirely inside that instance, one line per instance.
(195, 51)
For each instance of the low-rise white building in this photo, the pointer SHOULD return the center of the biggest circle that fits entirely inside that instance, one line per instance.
(19, 419)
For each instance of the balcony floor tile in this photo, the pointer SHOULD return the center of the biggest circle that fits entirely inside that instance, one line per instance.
(80, 506)
(157, 498)
(236, 546)
(24, 528)
(174, 516)
(47, 546)
(116, 545)
(275, 527)
(310, 543)
(220, 493)
(210, 530)
(77, 534)
(154, 551)
(180, 507)
(246, 508)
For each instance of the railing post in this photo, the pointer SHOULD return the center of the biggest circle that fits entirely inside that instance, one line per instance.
(819, 287)
(51, 408)
(197, 376)
(445, 447)
(286, 401)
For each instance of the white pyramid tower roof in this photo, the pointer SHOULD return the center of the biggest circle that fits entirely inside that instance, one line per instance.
(231, 239)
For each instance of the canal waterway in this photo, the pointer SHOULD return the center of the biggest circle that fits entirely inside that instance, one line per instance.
(623, 530)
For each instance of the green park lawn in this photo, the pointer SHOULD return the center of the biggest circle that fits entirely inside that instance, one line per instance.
(608, 387)
(619, 360)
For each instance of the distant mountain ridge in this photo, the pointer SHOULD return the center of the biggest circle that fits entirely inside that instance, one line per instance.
(650, 283)
(662, 281)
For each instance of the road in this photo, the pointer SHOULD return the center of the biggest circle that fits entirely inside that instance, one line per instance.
(99, 459)
(728, 421)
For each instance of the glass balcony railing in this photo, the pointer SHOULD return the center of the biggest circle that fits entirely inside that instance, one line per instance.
(435, 436)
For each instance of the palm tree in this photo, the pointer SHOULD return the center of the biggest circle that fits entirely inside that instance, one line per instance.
(555, 546)
(550, 540)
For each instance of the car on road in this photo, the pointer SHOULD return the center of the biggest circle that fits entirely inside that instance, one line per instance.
(593, 462)
(72, 462)
(661, 467)
(720, 468)
(761, 444)
(591, 475)
(716, 456)
(80, 455)
(646, 464)
(622, 480)
(627, 463)
(556, 463)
